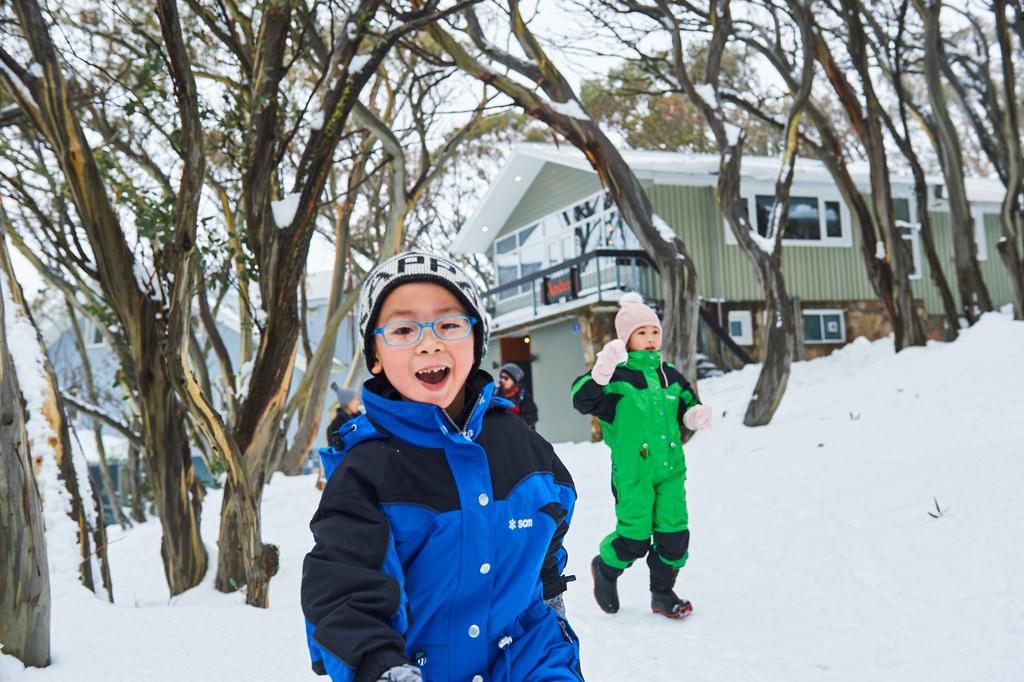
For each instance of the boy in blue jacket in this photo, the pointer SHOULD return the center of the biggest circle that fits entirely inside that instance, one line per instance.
(438, 550)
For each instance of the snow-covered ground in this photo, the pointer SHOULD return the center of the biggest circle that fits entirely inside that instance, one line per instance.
(813, 553)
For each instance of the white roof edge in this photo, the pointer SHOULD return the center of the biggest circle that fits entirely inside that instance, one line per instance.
(498, 202)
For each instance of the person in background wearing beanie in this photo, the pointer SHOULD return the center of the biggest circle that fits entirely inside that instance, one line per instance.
(348, 408)
(510, 379)
(438, 540)
(640, 403)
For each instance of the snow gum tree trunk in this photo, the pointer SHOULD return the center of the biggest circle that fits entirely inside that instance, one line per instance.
(764, 251)
(952, 321)
(280, 252)
(830, 150)
(48, 439)
(1011, 213)
(974, 296)
(24, 574)
(879, 271)
(780, 325)
(45, 100)
(308, 397)
(172, 479)
(138, 512)
(866, 122)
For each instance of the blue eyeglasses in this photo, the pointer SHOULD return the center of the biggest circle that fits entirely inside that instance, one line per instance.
(408, 332)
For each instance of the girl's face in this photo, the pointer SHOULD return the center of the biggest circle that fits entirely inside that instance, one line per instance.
(647, 338)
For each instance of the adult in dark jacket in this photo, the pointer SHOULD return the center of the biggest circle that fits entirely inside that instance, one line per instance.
(349, 407)
(510, 380)
(438, 550)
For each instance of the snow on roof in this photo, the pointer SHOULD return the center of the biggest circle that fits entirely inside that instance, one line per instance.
(528, 158)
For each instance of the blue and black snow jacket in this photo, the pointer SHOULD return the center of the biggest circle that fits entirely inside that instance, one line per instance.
(436, 545)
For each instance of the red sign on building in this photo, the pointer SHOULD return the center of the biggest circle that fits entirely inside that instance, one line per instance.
(564, 287)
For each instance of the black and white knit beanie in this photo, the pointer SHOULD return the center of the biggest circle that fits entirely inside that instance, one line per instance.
(420, 266)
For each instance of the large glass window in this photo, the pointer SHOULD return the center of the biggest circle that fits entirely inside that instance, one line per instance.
(593, 223)
(833, 221)
(531, 253)
(589, 234)
(811, 220)
(804, 221)
(617, 235)
(506, 260)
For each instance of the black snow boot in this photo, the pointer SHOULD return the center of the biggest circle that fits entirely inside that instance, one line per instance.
(605, 591)
(669, 605)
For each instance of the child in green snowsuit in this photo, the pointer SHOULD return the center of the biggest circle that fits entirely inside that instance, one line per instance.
(640, 402)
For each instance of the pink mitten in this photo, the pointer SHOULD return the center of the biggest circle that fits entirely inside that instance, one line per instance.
(697, 417)
(613, 353)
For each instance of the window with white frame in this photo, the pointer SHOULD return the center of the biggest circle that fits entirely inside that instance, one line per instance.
(824, 326)
(812, 220)
(741, 327)
(592, 223)
(911, 233)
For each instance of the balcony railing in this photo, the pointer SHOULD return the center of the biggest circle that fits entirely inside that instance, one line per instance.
(590, 276)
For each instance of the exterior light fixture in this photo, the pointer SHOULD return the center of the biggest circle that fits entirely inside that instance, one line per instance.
(483, 228)
(518, 178)
(526, 339)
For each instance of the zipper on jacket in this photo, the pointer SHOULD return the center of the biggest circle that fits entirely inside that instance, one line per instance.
(463, 431)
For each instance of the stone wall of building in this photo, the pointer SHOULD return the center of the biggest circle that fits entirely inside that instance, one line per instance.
(862, 318)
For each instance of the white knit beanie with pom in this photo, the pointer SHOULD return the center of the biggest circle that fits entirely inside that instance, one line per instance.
(633, 314)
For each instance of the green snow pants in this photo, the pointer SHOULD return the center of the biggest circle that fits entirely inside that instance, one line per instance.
(644, 509)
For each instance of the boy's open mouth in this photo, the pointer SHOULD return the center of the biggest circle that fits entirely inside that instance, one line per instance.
(433, 377)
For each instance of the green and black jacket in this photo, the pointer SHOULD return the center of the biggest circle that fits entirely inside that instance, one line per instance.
(640, 412)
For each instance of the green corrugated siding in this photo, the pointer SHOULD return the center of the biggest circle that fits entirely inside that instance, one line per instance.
(817, 273)
(554, 187)
(923, 288)
(992, 269)
(691, 211)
